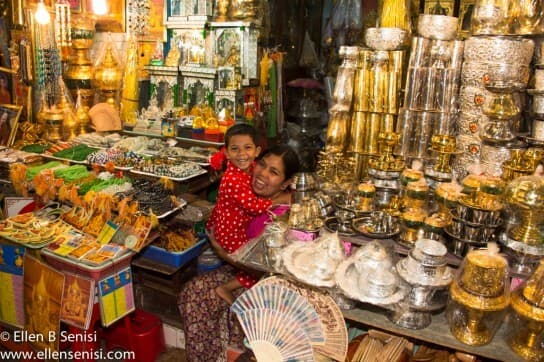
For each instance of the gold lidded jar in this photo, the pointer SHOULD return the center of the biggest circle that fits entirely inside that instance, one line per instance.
(526, 324)
(479, 297)
(447, 194)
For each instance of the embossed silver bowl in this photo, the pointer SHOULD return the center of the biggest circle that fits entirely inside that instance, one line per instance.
(385, 38)
(439, 27)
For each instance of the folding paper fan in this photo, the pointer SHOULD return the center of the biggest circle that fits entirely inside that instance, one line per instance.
(332, 320)
(285, 301)
(273, 337)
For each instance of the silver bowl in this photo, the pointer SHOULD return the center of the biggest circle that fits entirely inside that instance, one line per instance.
(439, 27)
(385, 38)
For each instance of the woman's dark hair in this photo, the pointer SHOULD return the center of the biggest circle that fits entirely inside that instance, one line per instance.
(290, 159)
(241, 129)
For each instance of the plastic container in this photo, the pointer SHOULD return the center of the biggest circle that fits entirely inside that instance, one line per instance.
(175, 259)
(208, 261)
(95, 272)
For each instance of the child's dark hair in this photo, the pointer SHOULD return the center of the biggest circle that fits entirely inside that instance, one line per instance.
(241, 129)
(288, 155)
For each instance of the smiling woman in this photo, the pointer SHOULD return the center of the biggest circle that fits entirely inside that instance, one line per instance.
(209, 328)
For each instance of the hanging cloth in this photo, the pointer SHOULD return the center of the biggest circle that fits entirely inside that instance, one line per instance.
(272, 126)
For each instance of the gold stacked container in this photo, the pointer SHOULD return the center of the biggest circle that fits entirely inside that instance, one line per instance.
(377, 85)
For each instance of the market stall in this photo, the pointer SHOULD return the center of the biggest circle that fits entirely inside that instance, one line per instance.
(421, 215)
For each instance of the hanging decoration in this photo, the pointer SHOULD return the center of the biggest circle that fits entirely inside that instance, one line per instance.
(63, 30)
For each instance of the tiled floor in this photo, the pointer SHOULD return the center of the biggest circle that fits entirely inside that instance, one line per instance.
(172, 355)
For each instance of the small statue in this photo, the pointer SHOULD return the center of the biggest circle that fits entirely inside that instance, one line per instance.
(234, 57)
(222, 9)
(172, 59)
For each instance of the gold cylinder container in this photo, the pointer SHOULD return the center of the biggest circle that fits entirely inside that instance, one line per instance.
(365, 129)
(378, 81)
(478, 298)
(337, 132)
(526, 328)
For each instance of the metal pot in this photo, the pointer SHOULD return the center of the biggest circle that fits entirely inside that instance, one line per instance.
(304, 184)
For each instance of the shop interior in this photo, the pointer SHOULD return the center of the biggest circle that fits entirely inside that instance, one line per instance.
(414, 230)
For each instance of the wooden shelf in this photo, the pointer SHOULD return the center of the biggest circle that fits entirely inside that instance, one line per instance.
(437, 333)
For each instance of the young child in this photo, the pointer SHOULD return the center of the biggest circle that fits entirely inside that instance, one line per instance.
(236, 203)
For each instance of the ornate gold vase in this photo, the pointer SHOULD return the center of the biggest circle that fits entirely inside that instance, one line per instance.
(525, 196)
(79, 73)
(108, 75)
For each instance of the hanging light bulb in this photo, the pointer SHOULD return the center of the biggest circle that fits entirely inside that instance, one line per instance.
(41, 14)
(100, 7)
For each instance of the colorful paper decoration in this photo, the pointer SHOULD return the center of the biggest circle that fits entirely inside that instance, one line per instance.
(116, 296)
(77, 304)
(43, 288)
(11, 279)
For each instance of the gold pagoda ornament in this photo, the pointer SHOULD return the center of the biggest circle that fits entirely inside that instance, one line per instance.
(108, 74)
(80, 72)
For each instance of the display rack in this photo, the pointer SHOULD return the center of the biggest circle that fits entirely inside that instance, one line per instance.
(193, 141)
(437, 332)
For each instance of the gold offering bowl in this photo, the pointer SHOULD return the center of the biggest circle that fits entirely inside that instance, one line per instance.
(525, 195)
(388, 140)
(443, 143)
(445, 146)
(484, 274)
(411, 221)
(447, 196)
